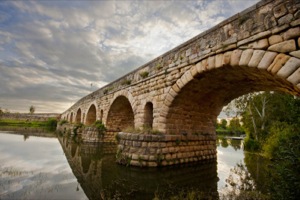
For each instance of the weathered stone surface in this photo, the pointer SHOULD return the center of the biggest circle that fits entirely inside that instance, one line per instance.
(235, 57)
(245, 57)
(256, 58)
(295, 53)
(280, 10)
(255, 37)
(274, 39)
(278, 62)
(295, 77)
(283, 47)
(290, 66)
(260, 44)
(219, 60)
(266, 60)
(291, 33)
(285, 19)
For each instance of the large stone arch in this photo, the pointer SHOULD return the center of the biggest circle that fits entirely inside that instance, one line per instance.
(91, 115)
(215, 81)
(78, 116)
(120, 115)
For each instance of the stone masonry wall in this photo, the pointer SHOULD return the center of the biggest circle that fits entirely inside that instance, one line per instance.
(88, 134)
(162, 150)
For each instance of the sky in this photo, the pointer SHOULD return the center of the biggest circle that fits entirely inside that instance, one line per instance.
(52, 53)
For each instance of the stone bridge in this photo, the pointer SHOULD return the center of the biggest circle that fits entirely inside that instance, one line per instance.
(181, 93)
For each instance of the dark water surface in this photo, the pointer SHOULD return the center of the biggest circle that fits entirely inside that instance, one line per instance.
(51, 167)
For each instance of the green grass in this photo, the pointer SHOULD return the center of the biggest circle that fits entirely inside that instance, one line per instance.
(24, 123)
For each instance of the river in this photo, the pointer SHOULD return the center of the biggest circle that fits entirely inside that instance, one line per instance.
(46, 166)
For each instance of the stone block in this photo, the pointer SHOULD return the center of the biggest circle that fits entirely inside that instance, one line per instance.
(290, 67)
(226, 58)
(235, 57)
(194, 71)
(274, 39)
(199, 67)
(245, 57)
(266, 60)
(279, 10)
(219, 60)
(278, 62)
(254, 38)
(211, 62)
(296, 22)
(295, 54)
(295, 77)
(291, 33)
(260, 44)
(285, 19)
(256, 58)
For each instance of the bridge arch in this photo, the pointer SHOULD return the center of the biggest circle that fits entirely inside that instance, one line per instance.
(78, 116)
(120, 115)
(91, 115)
(217, 80)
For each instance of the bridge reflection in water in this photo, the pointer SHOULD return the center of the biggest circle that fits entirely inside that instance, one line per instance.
(101, 178)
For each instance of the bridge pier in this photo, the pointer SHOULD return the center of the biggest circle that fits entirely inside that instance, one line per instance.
(163, 150)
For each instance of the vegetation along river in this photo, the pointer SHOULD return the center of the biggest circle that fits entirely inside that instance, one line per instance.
(49, 166)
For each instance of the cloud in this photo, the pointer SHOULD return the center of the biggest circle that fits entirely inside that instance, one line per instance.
(52, 51)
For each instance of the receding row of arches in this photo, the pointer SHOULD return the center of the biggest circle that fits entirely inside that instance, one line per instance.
(120, 115)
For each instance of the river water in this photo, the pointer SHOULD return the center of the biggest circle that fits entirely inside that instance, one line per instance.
(47, 166)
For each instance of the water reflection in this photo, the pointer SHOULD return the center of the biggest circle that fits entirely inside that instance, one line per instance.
(64, 168)
(34, 169)
(101, 178)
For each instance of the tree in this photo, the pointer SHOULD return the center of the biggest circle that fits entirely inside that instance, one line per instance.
(31, 109)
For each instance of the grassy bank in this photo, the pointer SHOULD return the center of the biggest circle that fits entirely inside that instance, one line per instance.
(50, 123)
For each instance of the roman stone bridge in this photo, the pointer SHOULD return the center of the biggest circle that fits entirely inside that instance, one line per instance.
(181, 93)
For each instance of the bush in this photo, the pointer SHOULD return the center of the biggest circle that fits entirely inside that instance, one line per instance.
(63, 122)
(251, 144)
(100, 126)
(52, 122)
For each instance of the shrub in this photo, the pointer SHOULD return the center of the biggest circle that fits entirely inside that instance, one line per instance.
(52, 122)
(63, 122)
(100, 126)
(251, 144)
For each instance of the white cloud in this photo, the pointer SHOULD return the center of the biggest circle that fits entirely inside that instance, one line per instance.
(51, 51)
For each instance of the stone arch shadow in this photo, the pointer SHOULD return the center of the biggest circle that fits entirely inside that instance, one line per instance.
(121, 112)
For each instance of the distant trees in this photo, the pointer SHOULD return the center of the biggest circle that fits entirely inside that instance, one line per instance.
(31, 109)
(261, 113)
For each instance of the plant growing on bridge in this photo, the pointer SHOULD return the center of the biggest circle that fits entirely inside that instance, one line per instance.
(62, 122)
(126, 82)
(144, 74)
(100, 127)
